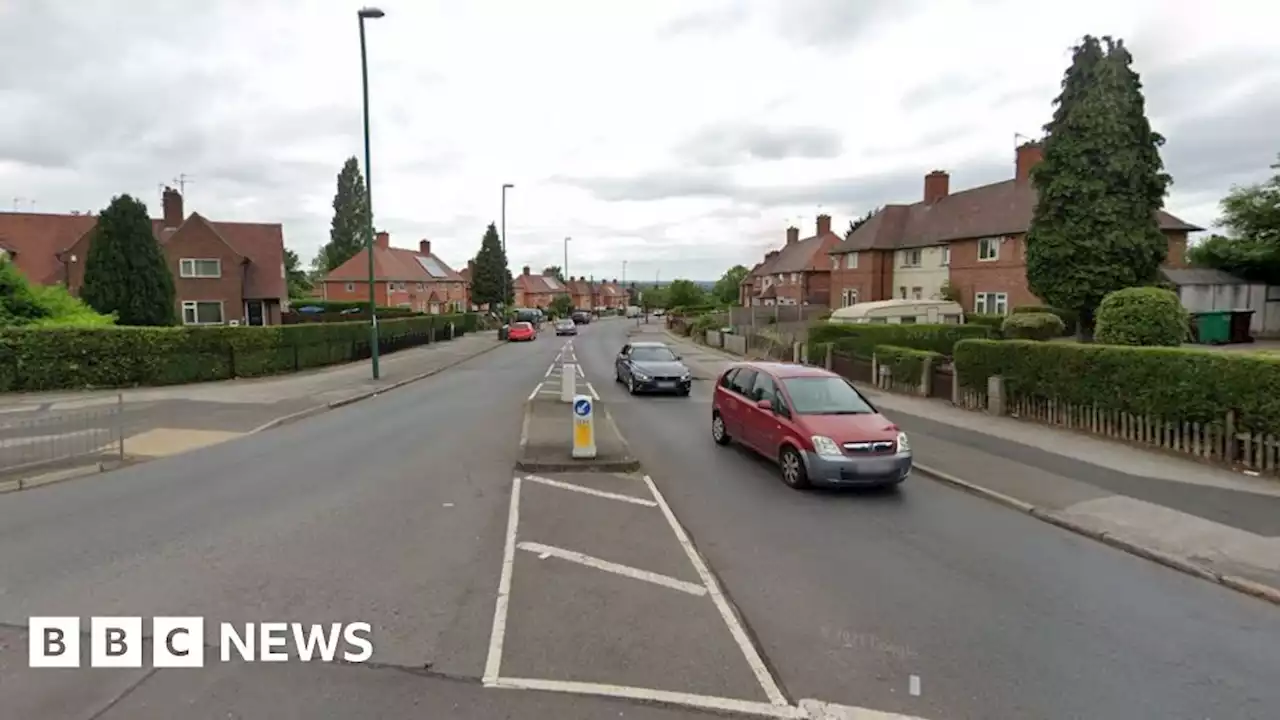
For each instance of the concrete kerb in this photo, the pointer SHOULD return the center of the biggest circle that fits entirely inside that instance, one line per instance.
(1239, 584)
(57, 476)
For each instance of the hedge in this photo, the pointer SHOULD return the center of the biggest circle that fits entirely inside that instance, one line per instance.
(991, 320)
(1173, 384)
(69, 358)
(1143, 316)
(1032, 326)
(1069, 318)
(862, 340)
(905, 364)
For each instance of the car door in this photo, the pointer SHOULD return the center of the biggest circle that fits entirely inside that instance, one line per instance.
(762, 429)
(738, 398)
(622, 363)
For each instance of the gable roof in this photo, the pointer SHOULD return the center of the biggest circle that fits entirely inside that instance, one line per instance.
(37, 239)
(539, 284)
(1200, 276)
(798, 256)
(394, 265)
(998, 209)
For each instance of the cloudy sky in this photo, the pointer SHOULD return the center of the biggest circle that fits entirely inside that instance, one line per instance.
(680, 136)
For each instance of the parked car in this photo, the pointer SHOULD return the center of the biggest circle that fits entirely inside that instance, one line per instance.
(812, 422)
(522, 332)
(580, 317)
(651, 366)
(566, 327)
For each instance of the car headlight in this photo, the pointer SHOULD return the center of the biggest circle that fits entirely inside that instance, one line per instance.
(904, 445)
(825, 446)
(641, 376)
(687, 375)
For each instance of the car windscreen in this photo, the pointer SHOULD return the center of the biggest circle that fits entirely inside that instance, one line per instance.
(652, 354)
(825, 396)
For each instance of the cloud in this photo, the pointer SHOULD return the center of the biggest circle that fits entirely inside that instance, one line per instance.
(836, 23)
(726, 144)
(729, 16)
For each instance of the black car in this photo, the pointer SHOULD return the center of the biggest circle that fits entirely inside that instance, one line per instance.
(651, 366)
(566, 327)
(580, 317)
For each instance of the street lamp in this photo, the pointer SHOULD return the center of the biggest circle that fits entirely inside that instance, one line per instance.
(363, 14)
(566, 258)
(505, 188)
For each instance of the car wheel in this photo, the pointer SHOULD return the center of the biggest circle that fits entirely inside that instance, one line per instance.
(683, 392)
(792, 467)
(718, 431)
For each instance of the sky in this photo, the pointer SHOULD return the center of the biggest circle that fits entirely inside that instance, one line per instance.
(667, 138)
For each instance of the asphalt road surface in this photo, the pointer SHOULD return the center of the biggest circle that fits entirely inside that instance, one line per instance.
(935, 603)
(398, 511)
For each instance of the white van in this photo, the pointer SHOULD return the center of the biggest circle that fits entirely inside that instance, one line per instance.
(900, 312)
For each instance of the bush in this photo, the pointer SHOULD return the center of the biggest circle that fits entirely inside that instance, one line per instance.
(703, 323)
(1175, 384)
(1033, 326)
(993, 321)
(64, 358)
(905, 364)
(1069, 318)
(861, 340)
(1146, 316)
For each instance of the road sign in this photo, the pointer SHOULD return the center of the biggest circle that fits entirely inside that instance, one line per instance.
(584, 428)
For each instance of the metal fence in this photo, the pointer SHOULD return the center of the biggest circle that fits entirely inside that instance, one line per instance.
(36, 439)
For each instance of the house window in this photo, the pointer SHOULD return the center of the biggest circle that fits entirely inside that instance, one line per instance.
(835, 260)
(851, 261)
(902, 292)
(916, 293)
(988, 248)
(991, 303)
(200, 268)
(911, 258)
(849, 297)
(946, 255)
(351, 287)
(795, 277)
(419, 287)
(202, 312)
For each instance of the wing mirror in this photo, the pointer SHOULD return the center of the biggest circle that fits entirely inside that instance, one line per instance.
(765, 405)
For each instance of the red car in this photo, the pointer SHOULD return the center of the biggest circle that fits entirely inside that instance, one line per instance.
(813, 423)
(522, 331)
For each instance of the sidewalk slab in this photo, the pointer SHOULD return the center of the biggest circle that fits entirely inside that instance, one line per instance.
(546, 441)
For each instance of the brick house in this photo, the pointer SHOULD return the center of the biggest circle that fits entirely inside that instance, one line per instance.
(609, 295)
(970, 244)
(536, 291)
(798, 273)
(223, 272)
(415, 279)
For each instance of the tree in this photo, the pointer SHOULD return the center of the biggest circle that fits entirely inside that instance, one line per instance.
(490, 271)
(125, 272)
(297, 279)
(348, 233)
(855, 224)
(18, 303)
(1251, 250)
(561, 306)
(1094, 229)
(554, 271)
(726, 290)
(26, 305)
(684, 293)
(653, 297)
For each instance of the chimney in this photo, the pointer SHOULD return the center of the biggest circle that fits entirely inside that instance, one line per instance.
(424, 247)
(937, 185)
(526, 269)
(824, 224)
(382, 240)
(793, 234)
(172, 203)
(1029, 155)
(471, 268)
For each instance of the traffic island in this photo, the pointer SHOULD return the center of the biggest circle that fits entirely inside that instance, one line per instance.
(567, 437)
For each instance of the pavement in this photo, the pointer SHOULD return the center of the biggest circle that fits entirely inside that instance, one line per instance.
(697, 587)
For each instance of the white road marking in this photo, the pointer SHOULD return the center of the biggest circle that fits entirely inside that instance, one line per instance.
(818, 710)
(535, 392)
(504, 588)
(595, 395)
(763, 676)
(590, 491)
(913, 686)
(550, 370)
(707, 702)
(625, 570)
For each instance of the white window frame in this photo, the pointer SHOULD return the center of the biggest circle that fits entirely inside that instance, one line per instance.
(419, 287)
(849, 296)
(946, 256)
(194, 307)
(835, 261)
(187, 268)
(917, 293)
(851, 261)
(988, 243)
(351, 287)
(991, 303)
(911, 258)
(795, 277)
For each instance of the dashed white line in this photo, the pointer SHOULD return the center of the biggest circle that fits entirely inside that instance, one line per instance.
(624, 570)
(913, 686)
(535, 392)
(494, 662)
(590, 491)
(707, 702)
(763, 676)
(594, 394)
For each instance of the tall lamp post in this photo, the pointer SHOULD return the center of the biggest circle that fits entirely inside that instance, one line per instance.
(566, 259)
(369, 13)
(505, 188)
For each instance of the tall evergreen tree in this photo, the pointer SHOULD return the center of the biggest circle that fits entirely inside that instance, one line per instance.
(349, 231)
(855, 224)
(1099, 186)
(491, 268)
(126, 272)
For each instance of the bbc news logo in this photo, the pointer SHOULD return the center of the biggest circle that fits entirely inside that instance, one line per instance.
(179, 642)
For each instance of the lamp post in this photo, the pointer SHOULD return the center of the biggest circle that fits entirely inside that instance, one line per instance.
(505, 188)
(369, 13)
(566, 258)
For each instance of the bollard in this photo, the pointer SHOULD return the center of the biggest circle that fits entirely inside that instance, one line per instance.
(568, 382)
(584, 428)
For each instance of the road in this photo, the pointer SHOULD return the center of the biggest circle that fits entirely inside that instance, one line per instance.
(397, 511)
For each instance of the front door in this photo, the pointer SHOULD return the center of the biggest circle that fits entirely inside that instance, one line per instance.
(253, 311)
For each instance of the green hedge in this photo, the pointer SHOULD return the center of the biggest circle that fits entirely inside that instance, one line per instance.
(1069, 319)
(67, 358)
(1174, 384)
(905, 364)
(1032, 326)
(990, 320)
(862, 340)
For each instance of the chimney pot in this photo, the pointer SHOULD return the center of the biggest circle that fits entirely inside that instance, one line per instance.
(793, 234)
(172, 207)
(424, 246)
(526, 269)
(1029, 155)
(824, 224)
(382, 240)
(937, 185)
